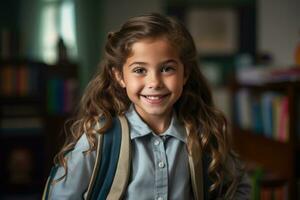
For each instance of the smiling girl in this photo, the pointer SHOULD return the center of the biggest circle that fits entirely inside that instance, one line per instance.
(177, 147)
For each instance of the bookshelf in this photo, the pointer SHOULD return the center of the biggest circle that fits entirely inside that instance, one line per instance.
(36, 99)
(265, 133)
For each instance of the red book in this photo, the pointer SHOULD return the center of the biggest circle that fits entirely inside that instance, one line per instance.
(22, 85)
(8, 81)
(284, 120)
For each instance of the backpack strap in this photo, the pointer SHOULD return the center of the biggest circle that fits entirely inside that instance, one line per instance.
(88, 193)
(48, 183)
(111, 170)
(50, 179)
(123, 168)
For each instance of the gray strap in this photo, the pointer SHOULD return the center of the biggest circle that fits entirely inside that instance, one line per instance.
(96, 166)
(123, 168)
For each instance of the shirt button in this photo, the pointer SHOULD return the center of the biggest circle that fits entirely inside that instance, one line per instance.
(156, 142)
(160, 198)
(161, 164)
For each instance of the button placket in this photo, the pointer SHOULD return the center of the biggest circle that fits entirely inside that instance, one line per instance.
(161, 169)
(161, 164)
(156, 142)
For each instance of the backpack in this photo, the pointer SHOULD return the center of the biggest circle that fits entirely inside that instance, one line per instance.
(110, 173)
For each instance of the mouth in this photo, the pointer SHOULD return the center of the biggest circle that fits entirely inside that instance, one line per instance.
(154, 99)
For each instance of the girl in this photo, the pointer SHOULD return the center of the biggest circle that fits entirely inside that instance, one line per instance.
(178, 144)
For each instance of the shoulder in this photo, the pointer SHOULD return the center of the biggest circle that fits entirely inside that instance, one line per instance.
(82, 145)
(82, 148)
(79, 170)
(80, 155)
(240, 187)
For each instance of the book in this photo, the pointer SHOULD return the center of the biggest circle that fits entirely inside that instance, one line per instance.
(6, 40)
(61, 94)
(256, 177)
(283, 123)
(276, 115)
(19, 81)
(267, 186)
(70, 88)
(267, 113)
(243, 103)
(51, 96)
(256, 115)
(22, 81)
(8, 81)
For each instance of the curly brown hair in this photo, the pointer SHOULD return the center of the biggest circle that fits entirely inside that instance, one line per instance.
(195, 108)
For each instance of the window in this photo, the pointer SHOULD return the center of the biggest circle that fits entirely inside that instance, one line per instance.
(57, 20)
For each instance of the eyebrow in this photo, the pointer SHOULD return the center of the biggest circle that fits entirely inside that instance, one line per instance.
(144, 63)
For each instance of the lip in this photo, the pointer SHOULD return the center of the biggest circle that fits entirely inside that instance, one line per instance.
(155, 99)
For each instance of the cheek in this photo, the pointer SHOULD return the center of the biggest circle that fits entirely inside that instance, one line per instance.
(176, 83)
(132, 85)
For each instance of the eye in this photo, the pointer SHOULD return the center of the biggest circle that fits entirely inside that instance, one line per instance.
(168, 69)
(139, 70)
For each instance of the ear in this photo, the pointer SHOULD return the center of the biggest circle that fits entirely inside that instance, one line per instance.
(118, 77)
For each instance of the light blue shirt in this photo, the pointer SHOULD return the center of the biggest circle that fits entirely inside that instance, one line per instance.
(160, 167)
(159, 171)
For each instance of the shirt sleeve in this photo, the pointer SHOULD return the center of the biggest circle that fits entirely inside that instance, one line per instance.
(80, 168)
(240, 188)
(243, 189)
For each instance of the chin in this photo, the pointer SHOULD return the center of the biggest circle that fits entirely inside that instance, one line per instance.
(155, 111)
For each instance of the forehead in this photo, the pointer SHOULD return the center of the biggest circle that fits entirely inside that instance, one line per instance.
(153, 48)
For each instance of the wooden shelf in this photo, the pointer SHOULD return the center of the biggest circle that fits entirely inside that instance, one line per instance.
(21, 99)
(40, 141)
(276, 156)
(271, 86)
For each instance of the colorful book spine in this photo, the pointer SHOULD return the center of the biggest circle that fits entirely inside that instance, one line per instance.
(70, 94)
(22, 86)
(266, 114)
(61, 95)
(19, 81)
(243, 109)
(283, 128)
(256, 108)
(276, 115)
(266, 186)
(8, 81)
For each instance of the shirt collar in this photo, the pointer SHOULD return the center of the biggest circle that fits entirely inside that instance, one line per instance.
(138, 128)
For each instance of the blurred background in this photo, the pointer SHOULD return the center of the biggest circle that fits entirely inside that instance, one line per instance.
(249, 51)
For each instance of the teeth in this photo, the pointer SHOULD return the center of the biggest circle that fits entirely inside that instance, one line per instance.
(153, 97)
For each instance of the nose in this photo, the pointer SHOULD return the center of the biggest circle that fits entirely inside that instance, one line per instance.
(154, 81)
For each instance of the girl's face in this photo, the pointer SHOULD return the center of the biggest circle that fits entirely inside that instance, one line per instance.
(153, 77)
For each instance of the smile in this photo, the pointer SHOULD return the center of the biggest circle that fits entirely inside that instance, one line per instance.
(154, 99)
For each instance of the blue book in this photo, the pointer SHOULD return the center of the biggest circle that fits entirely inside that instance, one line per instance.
(267, 113)
(257, 122)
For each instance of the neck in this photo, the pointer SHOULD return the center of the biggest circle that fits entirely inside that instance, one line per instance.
(158, 124)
